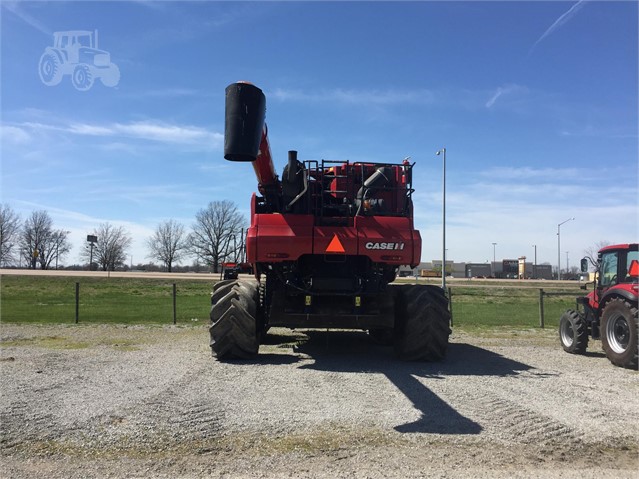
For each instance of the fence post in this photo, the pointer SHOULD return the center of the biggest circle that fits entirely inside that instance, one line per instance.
(77, 303)
(174, 308)
(541, 308)
(450, 305)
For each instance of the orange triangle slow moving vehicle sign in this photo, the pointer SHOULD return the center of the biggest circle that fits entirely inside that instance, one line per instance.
(335, 246)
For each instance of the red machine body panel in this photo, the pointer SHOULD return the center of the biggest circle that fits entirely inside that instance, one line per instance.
(286, 237)
(273, 238)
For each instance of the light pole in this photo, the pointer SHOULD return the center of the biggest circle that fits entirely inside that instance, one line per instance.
(443, 152)
(493, 265)
(559, 246)
(535, 263)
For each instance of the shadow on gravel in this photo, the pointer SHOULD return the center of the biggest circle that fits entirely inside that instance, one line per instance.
(354, 352)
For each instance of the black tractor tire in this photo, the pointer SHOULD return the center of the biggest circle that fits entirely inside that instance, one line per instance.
(49, 69)
(82, 77)
(422, 323)
(234, 326)
(619, 333)
(573, 332)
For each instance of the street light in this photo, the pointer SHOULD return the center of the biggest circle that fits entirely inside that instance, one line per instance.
(535, 264)
(443, 152)
(493, 265)
(559, 246)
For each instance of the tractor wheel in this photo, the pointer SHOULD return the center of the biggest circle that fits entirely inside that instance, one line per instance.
(573, 332)
(82, 77)
(49, 69)
(422, 323)
(619, 333)
(111, 77)
(234, 324)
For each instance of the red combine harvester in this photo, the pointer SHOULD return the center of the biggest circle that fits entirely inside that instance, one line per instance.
(325, 242)
(609, 312)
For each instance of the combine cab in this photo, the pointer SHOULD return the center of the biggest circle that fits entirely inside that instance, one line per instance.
(609, 312)
(325, 243)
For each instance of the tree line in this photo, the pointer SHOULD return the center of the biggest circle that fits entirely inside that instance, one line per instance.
(214, 238)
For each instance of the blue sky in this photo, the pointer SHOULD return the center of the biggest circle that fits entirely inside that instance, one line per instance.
(535, 102)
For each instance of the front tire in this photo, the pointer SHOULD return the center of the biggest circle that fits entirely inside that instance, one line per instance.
(234, 319)
(82, 77)
(573, 332)
(619, 333)
(111, 77)
(422, 323)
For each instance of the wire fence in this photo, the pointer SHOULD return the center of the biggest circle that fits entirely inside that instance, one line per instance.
(139, 301)
(105, 301)
(509, 306)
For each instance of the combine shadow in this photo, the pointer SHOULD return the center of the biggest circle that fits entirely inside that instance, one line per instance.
(354, 352)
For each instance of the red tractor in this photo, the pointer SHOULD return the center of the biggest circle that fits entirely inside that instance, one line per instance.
(325, 243)
(609, 312)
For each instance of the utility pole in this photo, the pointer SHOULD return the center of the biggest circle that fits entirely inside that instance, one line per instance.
(443, 151)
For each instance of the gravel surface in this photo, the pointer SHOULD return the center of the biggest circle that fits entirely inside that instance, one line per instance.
(114, 401)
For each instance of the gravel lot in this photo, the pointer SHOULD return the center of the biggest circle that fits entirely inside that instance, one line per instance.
(106, 401)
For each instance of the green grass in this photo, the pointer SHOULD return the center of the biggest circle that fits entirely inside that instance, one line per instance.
(494, 306)
(49, 299)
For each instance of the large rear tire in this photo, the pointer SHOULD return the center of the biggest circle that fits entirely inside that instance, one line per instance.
(422, 323)
(50, 69)
(619, 333)
(234, 319)
(573, 332)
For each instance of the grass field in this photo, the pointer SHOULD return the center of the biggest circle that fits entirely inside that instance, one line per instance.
(51, 299)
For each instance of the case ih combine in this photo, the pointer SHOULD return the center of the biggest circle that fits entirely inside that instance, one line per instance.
(325, 242)
(609, 312)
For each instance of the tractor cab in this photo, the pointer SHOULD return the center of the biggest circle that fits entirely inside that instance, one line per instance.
(617, 272)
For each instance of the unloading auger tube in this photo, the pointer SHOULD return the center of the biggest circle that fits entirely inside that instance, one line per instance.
(325, 242)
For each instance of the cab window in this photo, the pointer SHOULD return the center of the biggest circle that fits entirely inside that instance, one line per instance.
(608, 269)
(632, 256)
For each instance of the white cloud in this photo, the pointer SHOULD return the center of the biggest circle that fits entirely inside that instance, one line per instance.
(530, 173)
(506, 91)
(17, 10)
(353, 96)
(152, 130)
(519, 207)
(13, 134)
(562, 20)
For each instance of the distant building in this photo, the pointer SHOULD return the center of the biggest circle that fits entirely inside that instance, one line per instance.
(477, 270)
(542, 271)
(507, 269)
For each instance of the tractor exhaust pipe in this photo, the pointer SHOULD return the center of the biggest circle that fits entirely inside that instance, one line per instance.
(244, 121)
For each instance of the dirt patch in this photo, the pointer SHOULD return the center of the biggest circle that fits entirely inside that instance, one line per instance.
(116, 401)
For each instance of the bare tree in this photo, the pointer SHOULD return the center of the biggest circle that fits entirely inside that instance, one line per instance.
(213, 232)
(9, 233)
(591, 251)
(168, 243)
(111, 249)
(40, 243)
